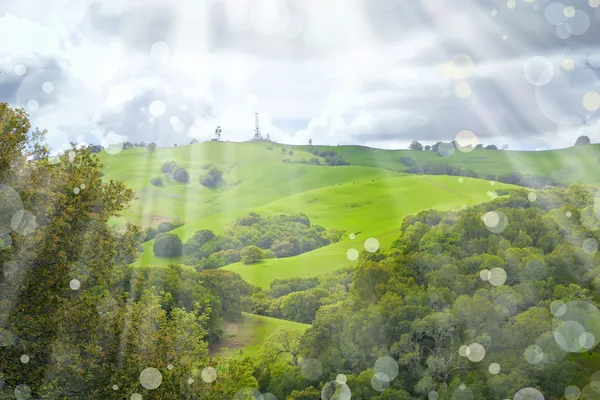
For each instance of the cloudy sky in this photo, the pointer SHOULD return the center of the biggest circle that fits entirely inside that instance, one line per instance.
(379, 73)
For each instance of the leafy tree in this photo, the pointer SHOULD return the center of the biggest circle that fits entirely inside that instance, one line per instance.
(491, 147)
(251, 254)
(415, 146)
(167, 245)
(168, 167)
(181, 175)
(213, 178)
(291, 152)
(428, 147)
(151, 147)
(157, 182)
(582, 140)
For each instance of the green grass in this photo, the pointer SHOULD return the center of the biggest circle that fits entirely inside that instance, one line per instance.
(354, 198)
(375, 209)
(253, 331)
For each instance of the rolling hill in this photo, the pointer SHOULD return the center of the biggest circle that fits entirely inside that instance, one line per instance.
(372, 195)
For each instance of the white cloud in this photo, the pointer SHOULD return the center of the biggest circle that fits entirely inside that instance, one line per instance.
(343, 71)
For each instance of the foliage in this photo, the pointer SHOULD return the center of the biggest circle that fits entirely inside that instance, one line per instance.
(181, 175)
(425, 297)
(416, 146)
(582, 140)
(277, 236)
(157, 182)
(251, 254)
(167, 245)
(213, 178)
(168, 167)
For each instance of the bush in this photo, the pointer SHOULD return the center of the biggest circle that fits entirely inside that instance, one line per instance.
(167, 245)
(165, 227)
(314, 161)
(291, 152)
(157, 182)
(181, 175)
(251, 254)
(212, 179)
(408, 161)
(169, 167)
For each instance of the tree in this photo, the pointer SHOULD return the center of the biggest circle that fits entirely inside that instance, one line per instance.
(505, 147)
(491, 147)
(479, 146)
(310, 142)
(152, 147)
(415, 146)
(213, 178)
(582, 141)
(251, 254)
(181, 175)
(167, 245)
(194, 141)
(157, 182)
(428, 147)
(168, 167)
(291, 152)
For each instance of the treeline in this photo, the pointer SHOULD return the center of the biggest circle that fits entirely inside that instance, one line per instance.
(250, 239)
(484, 303)
(513, 178)
(330, 157)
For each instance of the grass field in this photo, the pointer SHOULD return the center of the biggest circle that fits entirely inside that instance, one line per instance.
(365, 199)
(252, 332)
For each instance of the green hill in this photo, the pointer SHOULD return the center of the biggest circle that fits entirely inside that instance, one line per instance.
(371, 196)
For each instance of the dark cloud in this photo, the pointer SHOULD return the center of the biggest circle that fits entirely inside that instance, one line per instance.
(19, 90)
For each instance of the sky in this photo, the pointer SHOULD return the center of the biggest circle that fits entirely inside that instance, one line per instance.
(379, 73)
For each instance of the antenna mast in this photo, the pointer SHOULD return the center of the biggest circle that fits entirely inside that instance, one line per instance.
(257, 135)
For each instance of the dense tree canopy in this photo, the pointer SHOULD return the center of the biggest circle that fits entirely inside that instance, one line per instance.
(278, 236)
(480, 303)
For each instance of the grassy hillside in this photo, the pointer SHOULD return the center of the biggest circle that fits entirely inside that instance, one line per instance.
(253, 176)
(365, 197)
(252, 332)
(570, 165)
(375, 209)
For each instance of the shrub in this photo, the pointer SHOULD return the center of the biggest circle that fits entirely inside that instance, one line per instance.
(157, 182)
(408, 161)
(212, 179)
(314, 161)
(291, 152)
(181, 175)
(165, 227)
(251, 254)
(167, 245)
(169, 167)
